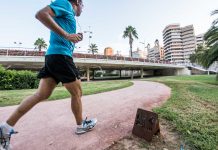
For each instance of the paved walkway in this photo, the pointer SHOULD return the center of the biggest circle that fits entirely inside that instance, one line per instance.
(50, 125)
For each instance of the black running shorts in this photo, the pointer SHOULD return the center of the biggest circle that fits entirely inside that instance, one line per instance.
(60, 67)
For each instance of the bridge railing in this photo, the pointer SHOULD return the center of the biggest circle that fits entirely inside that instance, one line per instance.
(96, 56)
(14, 52)
(212, 68)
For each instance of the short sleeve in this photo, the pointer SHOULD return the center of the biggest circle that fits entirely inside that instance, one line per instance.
(60, 7)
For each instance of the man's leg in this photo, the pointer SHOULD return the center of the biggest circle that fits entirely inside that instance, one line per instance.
(76, 105)
(46, 86)
(75, 90)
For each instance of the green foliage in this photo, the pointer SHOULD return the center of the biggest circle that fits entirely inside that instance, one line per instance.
(192, 109)
(93, 48)
(206, 55)
(2, 68)
(11, 79)
(98, 74)
(199, 55)
(40, 43)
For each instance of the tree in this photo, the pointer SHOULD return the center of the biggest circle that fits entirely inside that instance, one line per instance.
(199, 55)
(93, 48)
(40, 43)
(131, 33)
(208, 54)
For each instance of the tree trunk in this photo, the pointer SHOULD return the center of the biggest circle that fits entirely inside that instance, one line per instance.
(130, 51)
(130, 44)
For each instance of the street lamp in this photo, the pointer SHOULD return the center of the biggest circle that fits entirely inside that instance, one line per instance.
(90, 34)
(18, 43)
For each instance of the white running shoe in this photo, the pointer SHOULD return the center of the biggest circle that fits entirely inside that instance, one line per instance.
(5, 138)
(87, 125)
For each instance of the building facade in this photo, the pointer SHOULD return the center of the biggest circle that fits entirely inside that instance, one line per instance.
(139, 54)
(188, 42)
(108, 51)
(156, 52)
(200, 40)
(173, 43)
(179, 43)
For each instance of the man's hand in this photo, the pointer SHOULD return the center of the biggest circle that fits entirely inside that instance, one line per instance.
(75, 38)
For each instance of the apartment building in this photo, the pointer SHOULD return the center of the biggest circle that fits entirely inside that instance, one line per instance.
(173, 43)
(188, 42)
(200, 39)
(179, 43)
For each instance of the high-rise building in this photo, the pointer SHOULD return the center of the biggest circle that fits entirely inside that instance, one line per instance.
(200, 39)
(173, 43)
(188, 41)
(179, 43)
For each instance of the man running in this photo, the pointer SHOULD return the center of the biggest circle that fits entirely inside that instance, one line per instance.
(59, 17)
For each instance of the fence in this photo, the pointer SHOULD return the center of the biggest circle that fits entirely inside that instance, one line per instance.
(14, 52)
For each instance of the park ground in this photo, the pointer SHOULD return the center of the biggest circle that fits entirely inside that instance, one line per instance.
(188, 118)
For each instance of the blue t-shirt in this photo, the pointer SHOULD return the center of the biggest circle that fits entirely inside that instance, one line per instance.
(65, 18)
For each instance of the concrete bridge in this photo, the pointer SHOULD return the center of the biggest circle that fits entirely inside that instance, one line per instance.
(35, 60)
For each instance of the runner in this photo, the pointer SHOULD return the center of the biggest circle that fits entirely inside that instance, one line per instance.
(59, 17)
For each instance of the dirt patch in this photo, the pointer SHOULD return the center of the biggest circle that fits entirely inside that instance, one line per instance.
(169, 139)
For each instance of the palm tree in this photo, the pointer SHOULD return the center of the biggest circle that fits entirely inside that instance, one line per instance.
(208, 54)
(93, 48)
(198, 55)
(40, 43)
(211, 38)
(131, 33)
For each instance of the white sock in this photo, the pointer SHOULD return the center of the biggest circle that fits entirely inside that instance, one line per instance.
(7, 128)
(79, 126)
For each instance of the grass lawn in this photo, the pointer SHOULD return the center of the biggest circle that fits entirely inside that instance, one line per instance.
(14, 97)
(192, 109)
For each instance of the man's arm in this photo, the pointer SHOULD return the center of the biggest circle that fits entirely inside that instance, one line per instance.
(45, 16)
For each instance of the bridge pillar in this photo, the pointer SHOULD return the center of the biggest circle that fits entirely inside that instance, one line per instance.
(142, 73)
(120, 73)
(88, 74)
(132, 74)
(184, 71)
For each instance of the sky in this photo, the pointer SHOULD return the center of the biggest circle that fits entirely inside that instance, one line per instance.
(107, 19)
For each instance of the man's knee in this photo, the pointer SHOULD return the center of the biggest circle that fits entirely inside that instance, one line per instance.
(80, 93)
(76, 95)
(41, 96)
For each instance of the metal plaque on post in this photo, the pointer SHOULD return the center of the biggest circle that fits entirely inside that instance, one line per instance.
(146, 124)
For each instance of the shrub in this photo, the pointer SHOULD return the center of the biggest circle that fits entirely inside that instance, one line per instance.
(11, 79)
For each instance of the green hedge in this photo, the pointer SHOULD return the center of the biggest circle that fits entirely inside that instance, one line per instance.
(12, 79)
